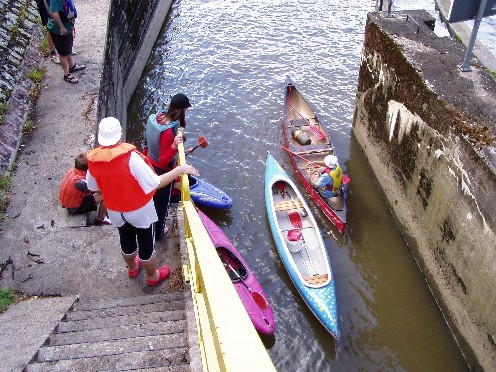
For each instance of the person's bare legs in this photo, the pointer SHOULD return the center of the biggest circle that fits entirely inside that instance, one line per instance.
(151, 268)
(102, 208)
(131, 262)
(50, 41)
(66, 62)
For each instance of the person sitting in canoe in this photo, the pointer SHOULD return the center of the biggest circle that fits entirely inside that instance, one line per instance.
(327, 176)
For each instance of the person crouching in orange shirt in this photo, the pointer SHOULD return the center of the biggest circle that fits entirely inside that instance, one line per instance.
(75, 195)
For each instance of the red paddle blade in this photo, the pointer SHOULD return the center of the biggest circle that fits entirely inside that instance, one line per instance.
(259, 300)
(202, 142)
(295, 219)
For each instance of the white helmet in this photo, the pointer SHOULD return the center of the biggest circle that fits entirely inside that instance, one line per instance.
(331, 161)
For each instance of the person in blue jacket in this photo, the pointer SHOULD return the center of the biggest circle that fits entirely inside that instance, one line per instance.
(329, 178)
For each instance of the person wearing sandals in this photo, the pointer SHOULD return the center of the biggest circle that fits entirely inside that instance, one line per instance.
(127, 182)
(61, 27)
(162, 140)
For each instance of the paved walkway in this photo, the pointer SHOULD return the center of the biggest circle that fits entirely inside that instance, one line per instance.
(53, 253)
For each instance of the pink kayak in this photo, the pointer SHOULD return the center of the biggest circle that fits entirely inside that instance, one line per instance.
(246, 284)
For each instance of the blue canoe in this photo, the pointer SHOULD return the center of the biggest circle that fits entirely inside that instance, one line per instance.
(300, 245)
(205, 194)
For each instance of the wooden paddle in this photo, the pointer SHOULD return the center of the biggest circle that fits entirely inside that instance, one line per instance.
(202, 142)
(346, 179)
(257, 297)
(316, 131)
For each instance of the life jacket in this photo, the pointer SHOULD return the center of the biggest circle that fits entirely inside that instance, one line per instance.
(69, 196)
(153, 133)
(337, 179)
(110, 168)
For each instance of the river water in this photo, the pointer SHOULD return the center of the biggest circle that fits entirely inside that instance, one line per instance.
(231, 58)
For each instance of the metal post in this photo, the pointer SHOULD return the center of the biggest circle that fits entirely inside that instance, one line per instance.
(465, 66)
(378, 5)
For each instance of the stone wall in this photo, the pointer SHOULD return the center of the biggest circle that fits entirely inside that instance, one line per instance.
(428, 130)
(133, 29)
(20, 36)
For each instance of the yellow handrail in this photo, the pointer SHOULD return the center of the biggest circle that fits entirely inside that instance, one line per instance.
(227, 339)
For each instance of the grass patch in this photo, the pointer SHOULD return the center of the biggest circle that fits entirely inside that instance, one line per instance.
(7, 296)
(5, 183)
(4, 108)
(28, 126)
(37, 74)
(44, 50)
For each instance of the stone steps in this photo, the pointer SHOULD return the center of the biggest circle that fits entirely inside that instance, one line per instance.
(139, 333)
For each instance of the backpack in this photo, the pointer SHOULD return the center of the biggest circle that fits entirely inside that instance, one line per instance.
(69, 13)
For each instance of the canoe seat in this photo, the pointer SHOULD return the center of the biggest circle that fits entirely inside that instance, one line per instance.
(310, 149)
(317, 279)
(286, 205)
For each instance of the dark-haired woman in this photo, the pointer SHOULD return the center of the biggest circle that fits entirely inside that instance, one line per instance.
(162, 140)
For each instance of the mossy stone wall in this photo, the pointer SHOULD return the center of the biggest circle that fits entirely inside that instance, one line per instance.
(427, 130)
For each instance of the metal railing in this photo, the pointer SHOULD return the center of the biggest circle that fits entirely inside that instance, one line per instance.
(226, 336)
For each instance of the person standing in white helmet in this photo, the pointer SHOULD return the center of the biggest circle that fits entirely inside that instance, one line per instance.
(329, 176)
(127, 181)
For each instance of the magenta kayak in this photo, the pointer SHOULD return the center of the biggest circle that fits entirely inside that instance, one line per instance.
(246, 284)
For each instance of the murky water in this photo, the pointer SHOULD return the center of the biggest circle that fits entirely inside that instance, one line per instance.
(231, 58)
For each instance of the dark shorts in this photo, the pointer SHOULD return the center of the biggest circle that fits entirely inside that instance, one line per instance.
(87, 205)
(135, 239)
(63, 44)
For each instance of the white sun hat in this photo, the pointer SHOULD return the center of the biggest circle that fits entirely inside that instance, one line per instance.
(109, 131)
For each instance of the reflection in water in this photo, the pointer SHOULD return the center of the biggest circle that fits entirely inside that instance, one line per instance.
(231, 58)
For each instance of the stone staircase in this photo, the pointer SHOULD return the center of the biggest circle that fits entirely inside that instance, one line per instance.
(145, 333)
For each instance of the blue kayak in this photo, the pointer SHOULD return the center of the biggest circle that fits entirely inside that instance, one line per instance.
(300, 245)
(206, 194)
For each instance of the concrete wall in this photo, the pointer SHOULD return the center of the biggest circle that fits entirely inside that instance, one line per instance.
(428, 130)
(133, 29)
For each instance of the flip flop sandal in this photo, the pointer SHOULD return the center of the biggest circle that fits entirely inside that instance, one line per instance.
(163, 273)
(70, 79)
(134, 273)
(76, 67)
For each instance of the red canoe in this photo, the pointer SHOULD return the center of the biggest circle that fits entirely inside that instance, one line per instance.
(307, 141)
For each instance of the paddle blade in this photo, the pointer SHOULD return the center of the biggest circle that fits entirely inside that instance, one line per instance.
(259, 300)
(202, 142)
(295, 219)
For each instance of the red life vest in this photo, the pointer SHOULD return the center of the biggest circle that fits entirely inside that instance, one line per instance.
(110, 168)
(69, 196)
(337, 179)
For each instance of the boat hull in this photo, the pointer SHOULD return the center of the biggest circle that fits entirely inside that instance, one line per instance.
(262, 319)
(299, 115)
(303, 254)
(205, 194)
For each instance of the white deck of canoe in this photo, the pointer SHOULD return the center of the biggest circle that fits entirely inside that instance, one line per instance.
(310, 260)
